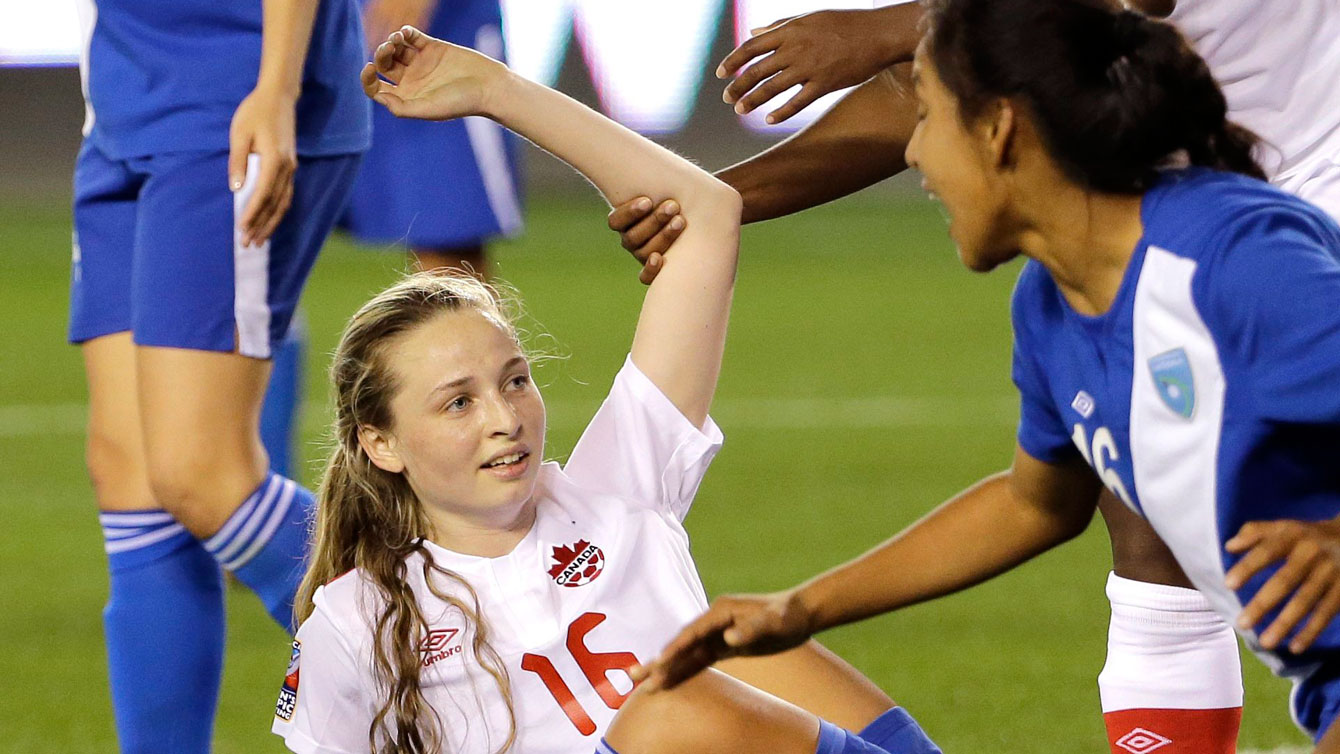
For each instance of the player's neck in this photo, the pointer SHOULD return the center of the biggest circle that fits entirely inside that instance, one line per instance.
(490, 535)
(1085, 239)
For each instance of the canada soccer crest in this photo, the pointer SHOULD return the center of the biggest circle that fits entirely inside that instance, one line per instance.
(288, 693)
(577, 564)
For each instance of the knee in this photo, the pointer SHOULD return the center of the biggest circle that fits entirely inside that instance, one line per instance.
(650, 722)
(198, 487)
(115, 465)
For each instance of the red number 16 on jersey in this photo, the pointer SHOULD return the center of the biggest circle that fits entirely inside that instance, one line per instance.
(594, 666)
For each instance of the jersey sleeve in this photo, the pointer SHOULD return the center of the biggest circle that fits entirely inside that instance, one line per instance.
(642, 449)
(1272, 301)
(1042, 434)
(324, 706)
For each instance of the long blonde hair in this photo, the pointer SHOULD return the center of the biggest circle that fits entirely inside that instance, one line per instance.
(370, 519)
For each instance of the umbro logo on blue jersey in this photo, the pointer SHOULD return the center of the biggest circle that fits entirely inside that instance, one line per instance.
(1083, 404)
(1172, 377)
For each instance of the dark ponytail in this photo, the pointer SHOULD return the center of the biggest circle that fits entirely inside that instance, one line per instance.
(1116, 95)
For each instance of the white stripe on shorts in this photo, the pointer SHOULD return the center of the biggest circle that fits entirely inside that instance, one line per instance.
(251, 276)
(486, 141)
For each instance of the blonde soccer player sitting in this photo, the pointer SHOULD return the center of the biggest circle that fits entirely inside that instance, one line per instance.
(464, 595)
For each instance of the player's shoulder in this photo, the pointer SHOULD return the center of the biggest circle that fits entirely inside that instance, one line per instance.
(1036, 299)
(1204, 214)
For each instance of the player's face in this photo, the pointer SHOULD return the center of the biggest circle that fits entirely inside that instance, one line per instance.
(468, 421)
(957, 164)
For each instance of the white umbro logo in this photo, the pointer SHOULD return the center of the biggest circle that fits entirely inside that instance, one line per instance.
(1083, 403)
(1141, 741)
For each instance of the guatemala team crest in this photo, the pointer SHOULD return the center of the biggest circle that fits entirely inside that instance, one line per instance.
(288, 693)
(1172, 377)
(577, 564)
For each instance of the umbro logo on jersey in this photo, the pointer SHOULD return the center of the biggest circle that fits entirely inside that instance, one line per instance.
(577, 564)
(437, 645)
(1172, 377)
(1141, 741)
(1083, 403)
(288, 693)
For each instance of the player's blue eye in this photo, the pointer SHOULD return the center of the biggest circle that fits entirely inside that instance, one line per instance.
(520, 381)
(459, 404)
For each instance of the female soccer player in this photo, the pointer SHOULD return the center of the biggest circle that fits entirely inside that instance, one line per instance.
(1170, 659)
(1177, 339)
(181, 288)
(464, 596)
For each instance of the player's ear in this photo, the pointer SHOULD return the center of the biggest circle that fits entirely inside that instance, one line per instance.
(381, 449)
(999, 127)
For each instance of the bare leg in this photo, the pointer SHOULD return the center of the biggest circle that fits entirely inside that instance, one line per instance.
(114, 451)
(816, 680)
(201, 420)
(711, 712)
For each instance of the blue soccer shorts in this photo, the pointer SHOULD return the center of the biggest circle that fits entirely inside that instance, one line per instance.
(894, 732)
(430, 185)
(156, 250)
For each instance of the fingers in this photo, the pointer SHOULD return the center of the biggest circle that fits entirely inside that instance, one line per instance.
(1322, 615)
(622, 217)
(650, 269)
(1300, 605)
(1247, 537)
(269, 202)
(646, 230)
(750, 49)
(1266, 550)
(239, 146)
(764, 92)
(751, 77)
(799, 101)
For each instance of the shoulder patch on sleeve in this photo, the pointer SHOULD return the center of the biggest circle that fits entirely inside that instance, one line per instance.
(288, 693)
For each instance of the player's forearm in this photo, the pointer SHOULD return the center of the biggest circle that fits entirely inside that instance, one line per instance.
(286, 34)
(983, 532)
(682, 327)
(857, 143)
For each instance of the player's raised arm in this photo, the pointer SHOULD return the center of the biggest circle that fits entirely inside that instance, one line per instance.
(857, 143)
(682, 328)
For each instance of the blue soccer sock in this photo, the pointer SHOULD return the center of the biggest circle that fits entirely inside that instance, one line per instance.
(164, 624)
(264, 543)
(281, 412)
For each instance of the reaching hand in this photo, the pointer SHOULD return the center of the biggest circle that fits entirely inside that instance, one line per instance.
(264, 124)
(1309, 577)
(822, 52)
(731, 627)
(417, 76)
(645, 234)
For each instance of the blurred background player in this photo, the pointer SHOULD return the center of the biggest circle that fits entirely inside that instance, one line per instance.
(442, 190)
(446, 221)
(1165, 643)
(1176, 341)
(202, 194)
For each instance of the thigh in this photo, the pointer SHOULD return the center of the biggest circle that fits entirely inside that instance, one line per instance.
(115, 447)
(1137, 551)
(816, 680)
(106, 195)
(194, 285)
(708, 713)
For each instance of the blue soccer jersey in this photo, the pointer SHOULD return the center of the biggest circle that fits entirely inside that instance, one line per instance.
(166, 76)
(1208, 395)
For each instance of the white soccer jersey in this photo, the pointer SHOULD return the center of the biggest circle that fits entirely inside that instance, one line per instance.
(1278, 62)
(603, 580)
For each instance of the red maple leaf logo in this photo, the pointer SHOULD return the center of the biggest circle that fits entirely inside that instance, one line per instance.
(577, 564)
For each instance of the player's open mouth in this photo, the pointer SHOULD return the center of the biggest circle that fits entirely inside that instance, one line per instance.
(508, 465)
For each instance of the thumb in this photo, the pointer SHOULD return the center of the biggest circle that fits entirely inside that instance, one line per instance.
(238, 149)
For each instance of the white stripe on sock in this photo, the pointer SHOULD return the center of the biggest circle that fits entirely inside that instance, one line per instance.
(223, 543)
(112, 532)
(134, 519)
(277, 516)
(144, 540)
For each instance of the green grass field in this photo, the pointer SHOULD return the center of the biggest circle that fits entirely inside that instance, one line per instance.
(866, 379)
